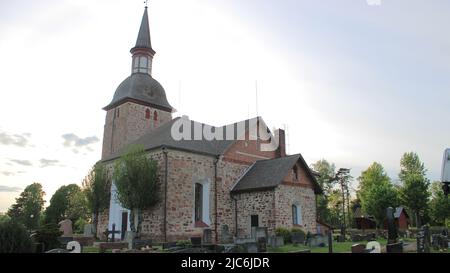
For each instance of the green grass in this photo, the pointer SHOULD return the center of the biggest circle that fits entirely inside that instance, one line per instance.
(93, 249)
(345, 247)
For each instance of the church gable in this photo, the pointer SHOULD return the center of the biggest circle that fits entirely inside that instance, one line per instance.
(298, 176)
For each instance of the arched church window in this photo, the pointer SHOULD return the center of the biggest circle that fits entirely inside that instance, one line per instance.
(147, 113)
(155, 116)
(198, 201)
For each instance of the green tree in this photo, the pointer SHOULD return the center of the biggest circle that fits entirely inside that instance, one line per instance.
(78, 208)
(28, 206)
(98, 192)
(414, 192)
(376, 192)
(325, 179)
(439, 204)
(14, 238)
(59, 204)
(137, 183)
(378, 198)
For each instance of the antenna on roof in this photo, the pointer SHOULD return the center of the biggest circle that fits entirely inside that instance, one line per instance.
(256, 97)
(288, 143)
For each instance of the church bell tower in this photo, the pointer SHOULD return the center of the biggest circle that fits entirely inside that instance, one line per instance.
(139, 104)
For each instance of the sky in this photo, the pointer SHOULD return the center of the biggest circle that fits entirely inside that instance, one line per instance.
(352, 81)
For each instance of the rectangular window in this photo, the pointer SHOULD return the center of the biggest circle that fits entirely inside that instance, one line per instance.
(198, 202)
(254, 221)
(294, 215)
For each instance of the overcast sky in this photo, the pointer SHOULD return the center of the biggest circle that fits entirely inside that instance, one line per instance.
(354, 83)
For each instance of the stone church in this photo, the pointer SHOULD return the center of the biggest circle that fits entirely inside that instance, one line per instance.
(225, 185)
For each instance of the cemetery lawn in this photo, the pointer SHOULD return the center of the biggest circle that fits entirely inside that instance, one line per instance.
(345, 247)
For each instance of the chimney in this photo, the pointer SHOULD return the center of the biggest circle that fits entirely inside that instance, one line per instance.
(281, 137)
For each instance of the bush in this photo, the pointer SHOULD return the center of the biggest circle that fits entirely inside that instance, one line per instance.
(298, 230)
(79, 226)
(14, 238)
(48, 236)
(184, 244)
(285, 233)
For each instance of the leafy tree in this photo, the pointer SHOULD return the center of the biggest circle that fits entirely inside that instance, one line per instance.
(326, 173)
(414, 190)
(14, 238)
(78, 207)
(28, 206)
(376, 192)
(439, 204)
(98, 191)
(378, 198)
(59, 204)
(137, 182)
(4, 217)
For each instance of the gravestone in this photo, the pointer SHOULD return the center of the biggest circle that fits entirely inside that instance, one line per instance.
(113, 233)
(207, 236)
(141, 243)
(196, 241)
(358, 248)
(276, 241)
(298, 238)
(261, 232)
(393, 245)
(88, 230)
(423, 240)
(226, 238)
(251, 247)
(317, 240)
(66, 227)
(262, 244)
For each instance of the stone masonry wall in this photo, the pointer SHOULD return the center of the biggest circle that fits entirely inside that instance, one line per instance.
(286, 196)
(255, 203)
(126, 123)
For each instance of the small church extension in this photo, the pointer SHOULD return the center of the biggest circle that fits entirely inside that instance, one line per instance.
(227, 186)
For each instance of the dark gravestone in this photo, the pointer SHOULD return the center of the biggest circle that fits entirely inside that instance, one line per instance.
(113, 233)
(298, 238)
(207, 237)
(196, 241)
(423, 240)
(262, 244)
(394, 248)
(358, 248)
(392, 228)
(141, 243)
(393, 245)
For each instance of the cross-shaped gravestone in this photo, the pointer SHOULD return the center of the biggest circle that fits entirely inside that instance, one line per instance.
(113, 232)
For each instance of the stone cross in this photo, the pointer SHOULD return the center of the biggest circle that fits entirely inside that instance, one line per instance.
(392, 228)
(113, 232)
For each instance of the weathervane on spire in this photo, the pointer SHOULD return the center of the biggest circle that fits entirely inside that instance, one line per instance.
(146, 3)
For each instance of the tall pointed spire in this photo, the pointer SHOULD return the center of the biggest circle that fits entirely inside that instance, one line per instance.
(143, 39)
(143, 52)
